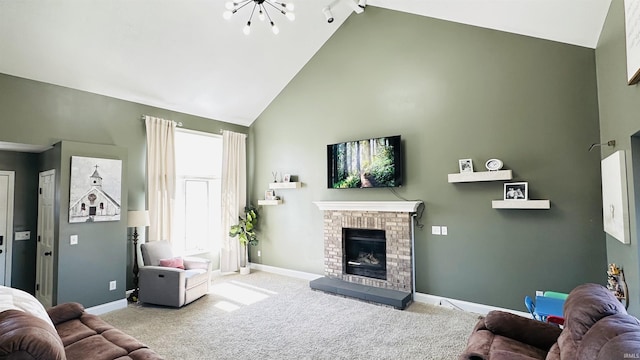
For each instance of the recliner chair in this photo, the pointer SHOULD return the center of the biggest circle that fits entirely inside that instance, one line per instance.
(171, 286)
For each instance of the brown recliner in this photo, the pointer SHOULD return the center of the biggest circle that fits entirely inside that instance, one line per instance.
(597, 327)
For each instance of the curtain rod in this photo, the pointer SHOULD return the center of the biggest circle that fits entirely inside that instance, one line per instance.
(178, 123)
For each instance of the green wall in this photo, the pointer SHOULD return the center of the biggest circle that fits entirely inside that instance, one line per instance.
(24, 217)
(35, 113)
(451, 91)
(619, 120)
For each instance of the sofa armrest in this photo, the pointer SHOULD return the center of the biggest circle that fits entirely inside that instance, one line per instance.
(528, 331)
(65, 312)
(25, 336)
(197, 263)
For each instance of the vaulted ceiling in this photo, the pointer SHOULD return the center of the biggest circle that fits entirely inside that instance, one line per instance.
(183, 56)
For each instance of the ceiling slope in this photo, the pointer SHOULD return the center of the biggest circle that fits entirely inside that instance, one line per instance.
(183, 56)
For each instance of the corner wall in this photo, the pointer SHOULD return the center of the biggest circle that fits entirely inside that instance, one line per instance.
(452, 92)
(619, 120)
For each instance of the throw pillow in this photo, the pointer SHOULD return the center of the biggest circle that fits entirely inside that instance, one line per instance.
(175, 262)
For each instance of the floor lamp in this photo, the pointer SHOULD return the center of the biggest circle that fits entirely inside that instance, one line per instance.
(136, 219)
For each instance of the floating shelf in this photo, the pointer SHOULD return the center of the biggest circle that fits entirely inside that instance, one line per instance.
(481, 176)
(521, 204)
(269, 202)
(285, 185)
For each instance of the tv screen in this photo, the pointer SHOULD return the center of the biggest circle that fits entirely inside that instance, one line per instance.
(370, 163)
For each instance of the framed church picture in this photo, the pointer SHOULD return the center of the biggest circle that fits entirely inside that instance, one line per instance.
(95, 189)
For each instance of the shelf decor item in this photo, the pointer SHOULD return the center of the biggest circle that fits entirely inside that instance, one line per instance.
(516, 191)
(270, 195)
(493, 164)
(466, 165)
(286, 178)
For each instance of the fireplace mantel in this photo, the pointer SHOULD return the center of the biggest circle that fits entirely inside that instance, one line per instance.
(389, 206)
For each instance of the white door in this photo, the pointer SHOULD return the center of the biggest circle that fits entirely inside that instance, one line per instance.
(44, 248)
(7, 179)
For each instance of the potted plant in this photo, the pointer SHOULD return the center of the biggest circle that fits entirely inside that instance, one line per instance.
(245, 231)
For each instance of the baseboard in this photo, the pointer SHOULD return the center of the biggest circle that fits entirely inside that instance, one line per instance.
(108, 307)
(462, 305)
(417, 297)
(286, 272)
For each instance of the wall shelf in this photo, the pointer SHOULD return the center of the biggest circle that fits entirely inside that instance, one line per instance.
(285, 185)
(269, 202)
(521, 204)
(481, 176)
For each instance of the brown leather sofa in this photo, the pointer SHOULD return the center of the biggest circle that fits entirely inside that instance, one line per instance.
(596, 327)
(77, 335)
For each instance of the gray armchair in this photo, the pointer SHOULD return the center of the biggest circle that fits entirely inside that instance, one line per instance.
(167, 285)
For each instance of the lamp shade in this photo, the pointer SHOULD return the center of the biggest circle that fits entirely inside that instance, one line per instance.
(138, 218)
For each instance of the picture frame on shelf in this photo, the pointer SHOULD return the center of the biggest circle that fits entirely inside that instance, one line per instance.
(286, 178)
(465, 165)
(516, 191)
(270, 195)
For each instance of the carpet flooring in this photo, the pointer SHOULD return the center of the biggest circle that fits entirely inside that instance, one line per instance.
(268, 316)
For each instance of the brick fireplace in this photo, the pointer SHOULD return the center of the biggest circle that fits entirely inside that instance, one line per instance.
(391, 218)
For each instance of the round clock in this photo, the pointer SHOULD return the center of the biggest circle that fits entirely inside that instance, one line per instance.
(493, 164)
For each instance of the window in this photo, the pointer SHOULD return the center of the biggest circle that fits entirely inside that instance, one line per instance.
(197, 209)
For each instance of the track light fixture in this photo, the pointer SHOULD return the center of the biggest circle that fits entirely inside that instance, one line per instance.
(327, 14)
(285, 9)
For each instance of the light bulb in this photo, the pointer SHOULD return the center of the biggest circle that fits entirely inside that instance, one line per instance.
(261, 15)
(229, 5)
(289, 6)
(247, 28)
(291, 16)
(275, 29)
(227, 15)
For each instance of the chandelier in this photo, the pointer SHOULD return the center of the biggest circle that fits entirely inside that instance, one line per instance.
(261, 6)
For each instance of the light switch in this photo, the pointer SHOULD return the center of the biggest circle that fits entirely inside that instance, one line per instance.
(443, 230)
(22, 235)
(435, 230)
(73, 240)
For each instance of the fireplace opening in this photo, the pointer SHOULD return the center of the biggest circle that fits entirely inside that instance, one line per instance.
(365, 252)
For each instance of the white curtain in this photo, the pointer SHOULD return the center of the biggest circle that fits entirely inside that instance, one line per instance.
(234, 196)
(161, 176)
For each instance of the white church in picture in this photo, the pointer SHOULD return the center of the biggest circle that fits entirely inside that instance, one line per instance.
(95, 204)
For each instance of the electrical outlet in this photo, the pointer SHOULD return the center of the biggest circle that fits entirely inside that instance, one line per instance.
(259, 253)
(444, 230)
(112, 285)
(539, 292)
(73, 240)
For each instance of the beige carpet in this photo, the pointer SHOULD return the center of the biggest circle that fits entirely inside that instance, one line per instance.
(267, 316)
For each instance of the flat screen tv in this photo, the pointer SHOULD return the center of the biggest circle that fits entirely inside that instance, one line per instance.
(369, 163)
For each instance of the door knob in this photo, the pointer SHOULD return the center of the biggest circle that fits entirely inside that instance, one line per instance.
(48, 253)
